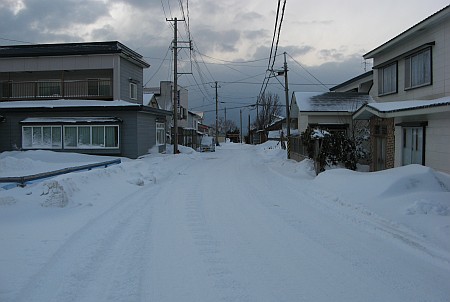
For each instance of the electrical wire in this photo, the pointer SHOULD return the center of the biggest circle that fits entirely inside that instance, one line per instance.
(308, 72)
(162, 62)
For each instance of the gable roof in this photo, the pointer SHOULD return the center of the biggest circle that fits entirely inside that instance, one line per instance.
(403, 108)
(66, 49)
(423, 25)
(331, 101)
(367, 74)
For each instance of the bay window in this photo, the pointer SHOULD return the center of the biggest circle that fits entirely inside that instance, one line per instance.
(91, 137)
(74, 137)
(41, 137)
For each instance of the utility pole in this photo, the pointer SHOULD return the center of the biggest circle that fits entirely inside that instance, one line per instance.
(225, 122)
(175, 85)
(257, 113)
(217, 116)
(240, 114)
(288, 117)
(248, 133)
(175, 48)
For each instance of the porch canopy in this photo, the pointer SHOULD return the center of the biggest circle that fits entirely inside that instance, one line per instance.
(403, 108)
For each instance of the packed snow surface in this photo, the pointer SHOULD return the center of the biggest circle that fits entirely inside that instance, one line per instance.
(240, 224)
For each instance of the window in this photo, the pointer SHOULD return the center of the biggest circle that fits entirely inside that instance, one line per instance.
(160, 134)
(5, 89)
(418, 69)
(387, 79)
(99, 87)
(380, 130)
(86, 137)
(41, 137)
(49, 89)
(133, 91)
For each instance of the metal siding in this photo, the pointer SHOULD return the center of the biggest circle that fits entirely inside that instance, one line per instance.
(57, 63)
(146, 129)
(128, 134)
(129, 70)
(11, 130)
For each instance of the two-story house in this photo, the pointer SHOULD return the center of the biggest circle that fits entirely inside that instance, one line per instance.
(410, 121)
(77, 97)
(164, 98)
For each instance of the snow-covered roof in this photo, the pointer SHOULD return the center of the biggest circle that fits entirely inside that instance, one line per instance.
(66, 120)
(64, 103)
(409, 107)
(66, 49)
(275, 134)
(403, 105)
(331, 101)
(147, 99)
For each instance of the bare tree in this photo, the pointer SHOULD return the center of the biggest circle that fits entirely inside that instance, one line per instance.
(269, 109)
(224, 125)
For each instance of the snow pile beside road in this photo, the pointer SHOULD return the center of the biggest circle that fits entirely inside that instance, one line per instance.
(414, 196)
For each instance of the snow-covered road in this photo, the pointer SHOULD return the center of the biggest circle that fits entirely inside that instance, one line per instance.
(228, 226)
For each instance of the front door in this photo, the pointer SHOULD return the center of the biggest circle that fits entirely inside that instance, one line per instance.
(413, 146)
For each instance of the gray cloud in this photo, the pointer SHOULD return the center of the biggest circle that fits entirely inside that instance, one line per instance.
(315, 22)
(247, 17)
(331, 54)
(42, 21)
(255, 34)
(293, 50)
(224, 41)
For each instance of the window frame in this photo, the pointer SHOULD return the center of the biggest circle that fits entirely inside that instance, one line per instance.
(133, 91)
(160, 127)
(90, 146)
(381, 78)
(49, 88)
(409, 70)
(61, 145)
(41, 146)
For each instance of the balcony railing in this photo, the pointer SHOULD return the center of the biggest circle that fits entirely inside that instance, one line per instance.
(88, 89)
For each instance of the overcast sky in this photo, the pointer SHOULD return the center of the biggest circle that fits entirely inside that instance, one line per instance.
(232, 39)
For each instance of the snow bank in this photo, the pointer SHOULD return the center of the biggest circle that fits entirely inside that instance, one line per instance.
(22, 163)
(411, 179)
(413, 196)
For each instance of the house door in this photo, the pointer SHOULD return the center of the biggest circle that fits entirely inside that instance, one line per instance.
(380, 153)
(413, 145)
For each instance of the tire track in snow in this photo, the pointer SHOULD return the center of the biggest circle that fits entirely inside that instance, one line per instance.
(356, 250)
(374, 224)
(106, 253)
(210, 250)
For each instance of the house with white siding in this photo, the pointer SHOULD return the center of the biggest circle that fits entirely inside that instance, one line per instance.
(410, 121)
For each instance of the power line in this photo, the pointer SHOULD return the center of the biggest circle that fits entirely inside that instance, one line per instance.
(162, 62)
(274, 47)
(234, 62)
(12, 40)
(308, 72)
